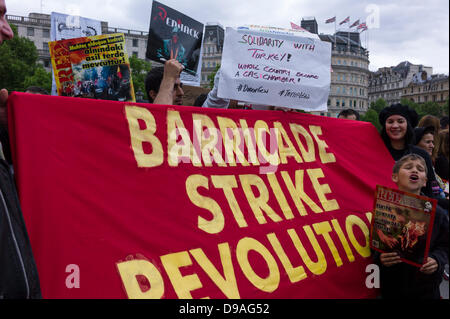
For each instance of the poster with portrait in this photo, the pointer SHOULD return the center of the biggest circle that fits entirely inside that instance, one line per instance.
(402, 222)
(174, 35)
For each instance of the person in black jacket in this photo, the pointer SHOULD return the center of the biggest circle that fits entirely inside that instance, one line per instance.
(18, 272)
(399, 279)
(398, 122)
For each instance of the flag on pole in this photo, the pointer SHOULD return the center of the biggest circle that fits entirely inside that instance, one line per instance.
(355, 24)
(333, 19)
(297, 27)
(362, 25)
(345, 20)
(363, 29)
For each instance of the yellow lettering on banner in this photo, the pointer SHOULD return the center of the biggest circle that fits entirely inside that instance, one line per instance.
(317, 268)
(324, 229)
(260, 128)
(298, 194)
(227, 283)
(324, 156)
(139, 136)
(271, 282)
(258, 204)
(308, 153)
(351, 221)
(290, 150)
(215, 225)
(183, 285)
(128, 271)
(248, 138)
(227, 183)
(369, 216)
(232, 145)
(176, 151)
(344, 242)
(321, 190)
(208, 144)
(279, 195)
(295, 274)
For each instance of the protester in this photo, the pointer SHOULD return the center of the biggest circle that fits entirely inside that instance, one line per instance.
(349, 114)
(163, 85)
(18, 273)
(430, 120)
(442, 160)
(397, 132)
(424, 138)
(401, 280)
(36, 90)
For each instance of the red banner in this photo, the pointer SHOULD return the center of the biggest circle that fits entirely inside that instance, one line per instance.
(147, 201)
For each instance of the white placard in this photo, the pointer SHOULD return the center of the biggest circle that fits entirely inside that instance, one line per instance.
(275, 69)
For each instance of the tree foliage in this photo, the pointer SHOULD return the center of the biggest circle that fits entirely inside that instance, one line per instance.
(139, 70)
(212, 75)
(40, 78)
(19, 56)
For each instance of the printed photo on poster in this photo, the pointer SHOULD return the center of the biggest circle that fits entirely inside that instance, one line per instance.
(93, 67)
(173, 35)
(402, 223)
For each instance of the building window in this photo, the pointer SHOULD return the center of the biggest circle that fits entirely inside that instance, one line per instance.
(345, 62)
(135, 43)
(351, 91)
(47, 63)
(339, 61)
(338, 89)
(343, 77)
(338, 103)
(45, 46)
(45, 33)
(442, 97)
(343, 103)
(30, 32)
(343, 92)
(329, 102)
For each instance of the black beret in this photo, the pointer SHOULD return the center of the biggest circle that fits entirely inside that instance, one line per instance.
(419, 132)
(398, 109)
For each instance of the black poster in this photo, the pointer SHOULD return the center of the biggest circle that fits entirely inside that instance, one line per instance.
(174, 35)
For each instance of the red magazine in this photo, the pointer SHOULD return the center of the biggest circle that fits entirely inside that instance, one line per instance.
(402, 222)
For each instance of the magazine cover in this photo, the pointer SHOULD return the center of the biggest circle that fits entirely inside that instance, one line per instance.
(173, 35)
(402, 222)
(94, 67)
(64, 26)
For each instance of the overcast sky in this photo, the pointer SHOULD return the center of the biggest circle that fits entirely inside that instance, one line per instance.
(413, 30)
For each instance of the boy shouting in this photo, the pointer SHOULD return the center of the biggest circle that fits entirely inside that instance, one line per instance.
(401, 280)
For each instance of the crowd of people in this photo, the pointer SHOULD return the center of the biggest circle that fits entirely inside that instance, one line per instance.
(420, 149)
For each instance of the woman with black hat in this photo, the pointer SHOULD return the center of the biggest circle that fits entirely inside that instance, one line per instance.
(398, 122)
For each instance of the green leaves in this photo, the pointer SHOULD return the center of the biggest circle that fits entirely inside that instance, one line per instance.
(18, 58)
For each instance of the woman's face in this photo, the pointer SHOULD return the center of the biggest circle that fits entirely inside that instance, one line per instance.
(427, 143)
(396, 126)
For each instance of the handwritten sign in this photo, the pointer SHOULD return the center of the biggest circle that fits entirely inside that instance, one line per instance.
(275, 69)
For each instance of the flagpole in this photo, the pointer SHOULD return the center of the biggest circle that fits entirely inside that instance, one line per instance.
(335, 32)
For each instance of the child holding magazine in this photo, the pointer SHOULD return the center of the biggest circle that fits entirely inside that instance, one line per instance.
(399, 279)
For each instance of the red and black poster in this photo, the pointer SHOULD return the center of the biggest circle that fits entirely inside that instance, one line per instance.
(402, 222)
(174, 35)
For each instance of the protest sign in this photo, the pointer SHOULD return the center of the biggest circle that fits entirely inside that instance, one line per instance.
(150, 201)
(174, 35)
(402, 223)
(275, 68)
(93, 67)
(64, 26)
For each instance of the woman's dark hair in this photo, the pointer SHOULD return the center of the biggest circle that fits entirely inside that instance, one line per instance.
(410, 116)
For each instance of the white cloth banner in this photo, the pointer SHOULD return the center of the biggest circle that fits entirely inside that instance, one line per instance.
(64, 26)
(275, 69)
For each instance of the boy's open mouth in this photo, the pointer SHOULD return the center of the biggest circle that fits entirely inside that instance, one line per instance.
(414, 178)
